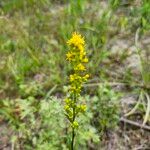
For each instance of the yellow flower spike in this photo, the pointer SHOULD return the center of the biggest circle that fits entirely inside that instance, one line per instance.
(77, 58)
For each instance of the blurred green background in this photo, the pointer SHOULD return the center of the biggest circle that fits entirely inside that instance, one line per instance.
(33, 35)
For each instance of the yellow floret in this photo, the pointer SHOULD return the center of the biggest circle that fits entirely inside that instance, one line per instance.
(82, 55)
(69, 56)
(76, 40)
(73, 77)
(83, 108)
(68, 102)
(75, 124)
(80, 67)
(67, 108)
(85, 60)
(87, 76)
(81, 48)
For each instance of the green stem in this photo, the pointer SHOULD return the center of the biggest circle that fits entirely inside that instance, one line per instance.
(73, 137)
(73, 131)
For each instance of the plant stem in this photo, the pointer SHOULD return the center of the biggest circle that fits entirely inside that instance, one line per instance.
(72, 142)
(73, 131)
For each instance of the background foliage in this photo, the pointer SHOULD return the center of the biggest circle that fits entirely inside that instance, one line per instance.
(33, 38)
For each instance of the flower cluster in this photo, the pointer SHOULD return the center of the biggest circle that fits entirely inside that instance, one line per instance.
(77, 58)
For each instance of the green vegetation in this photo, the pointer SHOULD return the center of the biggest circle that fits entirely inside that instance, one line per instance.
(34, 73)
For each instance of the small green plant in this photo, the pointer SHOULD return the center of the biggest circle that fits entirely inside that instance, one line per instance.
(114, 4)
(77, 58)
(40, 124)
(106, 108)
(145, 15)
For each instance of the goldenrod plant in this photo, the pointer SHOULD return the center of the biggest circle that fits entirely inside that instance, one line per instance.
(77, 59)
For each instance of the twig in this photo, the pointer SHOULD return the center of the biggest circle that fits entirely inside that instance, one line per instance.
(135, 123)
(97, 84)
(116, 84)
